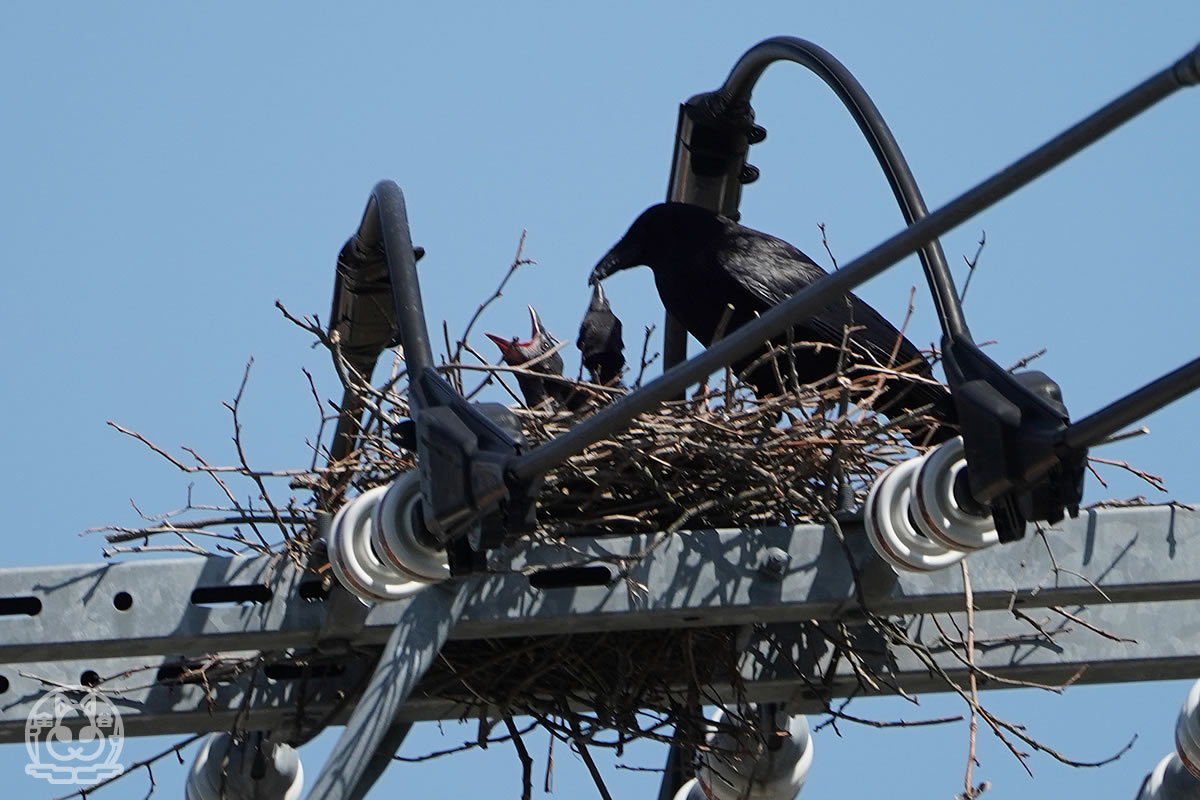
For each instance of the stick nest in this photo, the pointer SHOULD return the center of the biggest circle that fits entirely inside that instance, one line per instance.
(721, 458)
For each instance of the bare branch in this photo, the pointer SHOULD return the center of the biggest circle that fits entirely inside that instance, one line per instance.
(971, 264)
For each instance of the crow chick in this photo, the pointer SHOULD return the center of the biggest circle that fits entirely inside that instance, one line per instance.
(515, 353)
(600, 340)
(704, 262)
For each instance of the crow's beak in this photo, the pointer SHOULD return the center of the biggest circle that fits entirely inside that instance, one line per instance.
(505, 345)
(614, 260)
(537, 330)
(599, 301)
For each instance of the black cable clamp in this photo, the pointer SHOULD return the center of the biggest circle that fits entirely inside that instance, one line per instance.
(468, 500)
(1012, 427)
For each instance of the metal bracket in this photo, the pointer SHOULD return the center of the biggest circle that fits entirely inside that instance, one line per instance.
(1146, 561)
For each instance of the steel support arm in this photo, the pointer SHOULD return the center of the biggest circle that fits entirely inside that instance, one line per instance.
(695, 578)
(151, 645)
(372, 735)
(1158, 641)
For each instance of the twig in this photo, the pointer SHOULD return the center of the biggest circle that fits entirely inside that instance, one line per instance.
(1024, 362)
(229, 494)
(971, 264)
(825, 242)
(970, 792)
(645, 362)
(582, 749)
(1132, 433)
(517, 262)
(1112, 637)
(472, 745)
(175, 748)
(1153, 480)
(523, 754)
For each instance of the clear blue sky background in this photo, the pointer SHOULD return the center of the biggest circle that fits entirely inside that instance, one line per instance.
(169, 170)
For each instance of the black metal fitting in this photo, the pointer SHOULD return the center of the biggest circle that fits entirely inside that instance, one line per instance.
(1012, 426)
(712, 139)
(468, 499)
(463, 450)
(362, 291)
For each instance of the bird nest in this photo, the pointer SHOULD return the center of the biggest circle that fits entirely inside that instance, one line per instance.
(708, 462)
(721, 458)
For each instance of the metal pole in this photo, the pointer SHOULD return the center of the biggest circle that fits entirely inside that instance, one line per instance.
(674, 342)
(812, 299)
(678, 770)
(382, 758)
(362, 751)
(1096, 427)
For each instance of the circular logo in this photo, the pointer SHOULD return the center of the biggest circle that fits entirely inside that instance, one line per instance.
(74, 737)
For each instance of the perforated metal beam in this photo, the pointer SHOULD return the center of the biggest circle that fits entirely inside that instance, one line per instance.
(698, 578)
(1164, 643)
(132, 624)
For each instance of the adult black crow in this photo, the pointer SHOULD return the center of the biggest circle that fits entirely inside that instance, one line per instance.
(514, 352)
(600, 340)
(704, 262)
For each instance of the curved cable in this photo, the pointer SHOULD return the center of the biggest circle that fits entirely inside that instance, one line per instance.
(738, 87)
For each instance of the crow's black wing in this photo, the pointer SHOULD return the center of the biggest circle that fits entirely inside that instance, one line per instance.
(772, 270)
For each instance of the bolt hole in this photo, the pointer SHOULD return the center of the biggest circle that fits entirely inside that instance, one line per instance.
(3, 684)
(571, 577)
(227, 595)
(17, 606)
(90, 679)
(122, 601)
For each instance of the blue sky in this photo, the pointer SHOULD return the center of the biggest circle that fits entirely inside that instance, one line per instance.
(169, 171)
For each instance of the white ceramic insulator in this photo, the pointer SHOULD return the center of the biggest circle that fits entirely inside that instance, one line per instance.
(224, 770)
(353, 559)
(891, 532)
(744, 768)
(1187, 731)
(690, 791)
(1170, 780)
(935, 509)
(394, 540)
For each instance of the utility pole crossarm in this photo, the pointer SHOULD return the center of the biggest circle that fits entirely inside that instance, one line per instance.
(1159, 641)
(696, 578)
(189, 660)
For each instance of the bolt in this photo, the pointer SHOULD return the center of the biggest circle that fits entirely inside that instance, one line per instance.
(775, 563)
